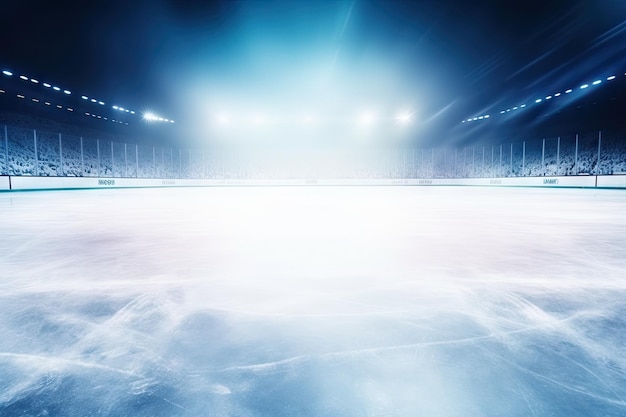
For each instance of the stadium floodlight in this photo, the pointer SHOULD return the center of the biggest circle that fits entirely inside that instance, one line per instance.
(404, 118)
(47, 103)
(481, 117)
(2, 91)
(115, 108)
(35, 100)
(508, 110)
(582, 87)
(101, 103)
(223, 119)
(59, 106)
(548, 97)
(120, 108)
(93, 100)
(151, 117)
(84, 97)
(503, 111)
(522, 106)
(557, 94)
(612, 77)
(34, 81)
(20, 96)
(70, 109)
(47, 85)
(367, 119)
(308, 119)
(68, 92)
(171, 121)
(55, 88)
(259, 119)
(131, 112)
(23, 77)
(596, 82)
(487, 116)
(568, 91)
(515, 108)
(127, 111)
(7, 73)
(538, 100)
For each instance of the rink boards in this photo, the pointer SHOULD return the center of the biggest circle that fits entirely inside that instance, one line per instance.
(23, 183)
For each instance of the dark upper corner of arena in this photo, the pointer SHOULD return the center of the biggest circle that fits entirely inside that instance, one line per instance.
(480, 58)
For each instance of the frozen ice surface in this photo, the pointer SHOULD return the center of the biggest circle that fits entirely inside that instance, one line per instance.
(320, 301)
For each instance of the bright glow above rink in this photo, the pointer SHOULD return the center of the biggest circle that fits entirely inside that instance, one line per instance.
(223, 119)
(259, 119)
(404, 118)
(367, 119)
(310, 92)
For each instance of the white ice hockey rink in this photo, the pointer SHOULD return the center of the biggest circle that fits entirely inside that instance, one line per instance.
(313, 301)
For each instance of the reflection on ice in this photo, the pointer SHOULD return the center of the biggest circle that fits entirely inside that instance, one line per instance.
(313, 301)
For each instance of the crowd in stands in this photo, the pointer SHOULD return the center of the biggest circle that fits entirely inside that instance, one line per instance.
(33, 152)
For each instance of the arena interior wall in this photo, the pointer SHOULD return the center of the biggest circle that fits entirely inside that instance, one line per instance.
(23, 183)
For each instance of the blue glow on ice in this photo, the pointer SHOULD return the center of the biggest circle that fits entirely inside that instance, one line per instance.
(313, 302)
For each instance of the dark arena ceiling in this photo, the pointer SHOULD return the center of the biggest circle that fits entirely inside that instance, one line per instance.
(447, 64)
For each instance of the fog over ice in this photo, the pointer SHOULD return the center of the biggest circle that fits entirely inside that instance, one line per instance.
(320, 301)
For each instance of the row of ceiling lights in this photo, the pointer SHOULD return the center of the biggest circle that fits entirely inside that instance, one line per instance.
(59, 106)
(540, 100)
(68, 92)
(36, 100)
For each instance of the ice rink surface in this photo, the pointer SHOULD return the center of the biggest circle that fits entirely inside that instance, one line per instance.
(318, 301)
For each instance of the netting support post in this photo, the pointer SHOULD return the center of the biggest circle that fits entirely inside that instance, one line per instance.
(6, 149)
(61, 155)
(112, 162)
(36, 155)
(598, 172)
(523, 158)
(82, 158)
(543, 154)
(576, 156)
(558, 155)
(511, 163)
